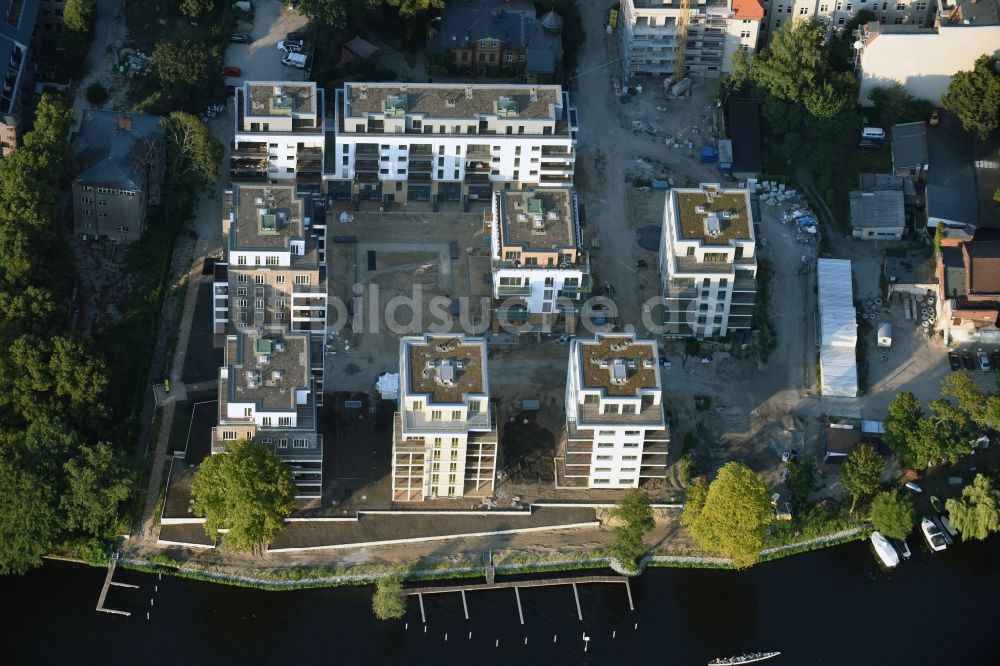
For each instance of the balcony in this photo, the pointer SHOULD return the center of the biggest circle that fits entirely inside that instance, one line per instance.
(513, 290)
(418, 176)
(366, 165)
(477, 177)
(420, 151)
(366, 177)
(248, 149)
(557, 168)
(479, 154)
(424, 166)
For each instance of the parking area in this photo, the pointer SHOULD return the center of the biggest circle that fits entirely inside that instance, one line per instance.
(261, 59)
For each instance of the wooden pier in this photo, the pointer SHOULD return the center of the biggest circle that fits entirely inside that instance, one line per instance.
(108, 582)
(574, 581)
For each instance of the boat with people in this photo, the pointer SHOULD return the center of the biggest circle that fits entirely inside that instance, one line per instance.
(883, 548)
(750, 658)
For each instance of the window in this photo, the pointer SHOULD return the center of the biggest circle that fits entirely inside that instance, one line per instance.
(241, 291)
(744, 34)
(279, 303)
(436, 415)
(266, 420)
(282, 443)
(301, 279)
(241, 302)
(271, 261)
(803, 11)
(631, 433)
(900, 6)
(280, 279)
(242, 279)
(258, 279)
(284, 421)
(456, 416)
(604, 457)
(258, 304)
(241, 260)
(300, 443)
(605, 445)
(628, 409)
(824, 8)
(601, 481)
(228, 435)
(121, 229)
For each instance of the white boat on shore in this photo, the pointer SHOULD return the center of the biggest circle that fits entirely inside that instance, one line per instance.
(932, 534)
(743, 658)
(884, 550)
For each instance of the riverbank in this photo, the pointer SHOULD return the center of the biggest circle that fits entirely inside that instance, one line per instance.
(369, 573)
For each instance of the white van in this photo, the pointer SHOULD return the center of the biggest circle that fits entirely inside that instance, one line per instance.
(874, 133)
(295, 60)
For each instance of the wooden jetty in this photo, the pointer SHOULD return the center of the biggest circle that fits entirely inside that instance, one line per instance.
(573, 581)
(108, 582)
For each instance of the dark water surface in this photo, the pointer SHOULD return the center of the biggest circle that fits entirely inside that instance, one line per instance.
(826, 607)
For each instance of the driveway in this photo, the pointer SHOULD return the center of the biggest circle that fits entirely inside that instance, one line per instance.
(261, 60)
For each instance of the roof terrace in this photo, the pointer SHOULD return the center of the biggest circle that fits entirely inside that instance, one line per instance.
(453, 100)
(619, 365)
(446, 368)
(712, 215)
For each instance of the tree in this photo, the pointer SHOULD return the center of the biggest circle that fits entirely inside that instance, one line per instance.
(901, 419)
(327, 13)
(801, 481)
(977, 513)
(410, 8)
(97, 484)
(734, 517)
(389, 602)
(892, 514)
(636, 517)
(247, 489)
(195, 8)
(895, 105)
(794, 61)
(96, 94)
(970, 398)
(974, 96)
(29, 523)
(861, 472)
(78, 21)
(944, 434)
(180, 62)
(191, 148)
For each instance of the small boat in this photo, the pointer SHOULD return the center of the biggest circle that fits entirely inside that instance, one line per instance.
(903, 548)
(948, 529)
(743, 658)
(932, 534)
(884, 550)
(936, 504)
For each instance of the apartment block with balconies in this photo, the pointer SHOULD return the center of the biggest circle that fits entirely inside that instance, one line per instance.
(649, 30)
(616, 431)
(444, 435)
(541, 273)
(707, 261)
(275, 271)
(280, 135)
(449, 142)
(836, 14)
(268, 393)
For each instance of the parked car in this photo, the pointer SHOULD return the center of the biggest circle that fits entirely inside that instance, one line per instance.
(790, 455)
(231, 71)
(953, 360)
(295, 36)
(984, 361)
(289, 46)
(970, 363)
(240, 38)
(294, 59)
(561, 339)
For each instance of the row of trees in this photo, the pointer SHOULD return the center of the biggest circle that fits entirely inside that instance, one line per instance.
(58, 482)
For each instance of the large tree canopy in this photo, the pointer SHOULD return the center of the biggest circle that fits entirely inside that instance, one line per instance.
(733, 515)
(977, 513)
(247, 490)
(636, 517)
(191, 148)
(861, 472)
(974, 96)
(97, 485)
(892, 515)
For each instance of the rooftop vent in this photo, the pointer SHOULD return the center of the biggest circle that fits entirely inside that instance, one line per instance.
(446, 374)
(468, 92)
(619, 374)
(713, 228)
(268, 224)
(362, 92)
(264, 347)
(533, 94)
(395, 105)
(507, 107)
(279, 345)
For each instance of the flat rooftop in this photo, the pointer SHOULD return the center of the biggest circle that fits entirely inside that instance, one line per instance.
(620, 365)
(538, 218)
(458, 100)
(730, 208)
(267, 216)
(267, 367)
(446, 368)
(279, 98)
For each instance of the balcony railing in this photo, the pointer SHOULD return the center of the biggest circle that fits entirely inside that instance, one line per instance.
(514, 290)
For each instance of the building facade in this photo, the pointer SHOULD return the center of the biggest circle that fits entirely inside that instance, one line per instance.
(649, 30)
(121, 158)
(616, 431)
(541, 273)
(15, 42)
(270, 305)
(707, 261)
(835, 14)
(280, 135)
(449, 142)
(444, 435)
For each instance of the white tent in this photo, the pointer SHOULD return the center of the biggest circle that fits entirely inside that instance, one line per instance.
(388, 385)
(839, 328)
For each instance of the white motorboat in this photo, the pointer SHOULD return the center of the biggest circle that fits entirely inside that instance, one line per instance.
(948, 529)
(933, 535)
(884, 550)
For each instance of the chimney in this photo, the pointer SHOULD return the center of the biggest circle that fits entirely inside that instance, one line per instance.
(125, 122)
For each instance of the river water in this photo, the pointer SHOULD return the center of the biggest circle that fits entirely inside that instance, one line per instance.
(827, 607)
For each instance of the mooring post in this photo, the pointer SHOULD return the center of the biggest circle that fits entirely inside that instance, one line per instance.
(628, 588)
(579, 613)
(423, 618)
(465, 606)
(520, 613)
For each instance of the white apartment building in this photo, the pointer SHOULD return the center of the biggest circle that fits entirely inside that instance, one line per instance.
(648, 32)
(444, 441)
(923, 60)
(541, 274)
(616, 431)
(280, 134)
(836, 13)
(267, 393)
(707, 261)
(437, 142)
